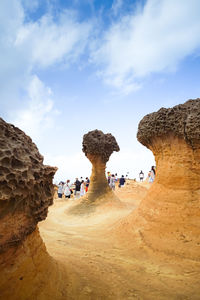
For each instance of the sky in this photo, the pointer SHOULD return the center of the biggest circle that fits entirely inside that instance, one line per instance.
(71, 66)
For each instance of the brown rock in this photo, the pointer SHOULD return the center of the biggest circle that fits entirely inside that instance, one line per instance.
(182, 121)
(97, 147)
(168, 218)
(26, 191)
(25, 186)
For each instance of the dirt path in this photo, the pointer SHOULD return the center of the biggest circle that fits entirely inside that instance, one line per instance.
(102, 266)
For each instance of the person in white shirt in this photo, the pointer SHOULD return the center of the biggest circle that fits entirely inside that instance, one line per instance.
(112, 182)
(82, 190)
(60, 189)
(67, 189)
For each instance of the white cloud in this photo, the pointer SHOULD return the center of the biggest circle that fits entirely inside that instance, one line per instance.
(25, 48)
(48, 42)
(116, 6)
(30, 5)
(155, 39)
(39, 113)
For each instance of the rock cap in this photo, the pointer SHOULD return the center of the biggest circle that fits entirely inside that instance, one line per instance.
(99, 144)
(182, 120)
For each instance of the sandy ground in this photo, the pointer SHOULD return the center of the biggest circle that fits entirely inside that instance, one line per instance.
(103, 265)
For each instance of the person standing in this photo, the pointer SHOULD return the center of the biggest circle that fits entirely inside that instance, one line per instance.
(87, 183)
(60, 189)
(116, 177)
(82, 188)
(77, 188)
(141, 175)
(112, 182)
(122, 181)
(152, 174)
(108, 177)
(67, 190)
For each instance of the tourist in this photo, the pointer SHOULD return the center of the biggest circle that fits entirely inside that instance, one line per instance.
(122, 181)
(87, 183)
(67, 189)
(60, 189)
(112, 182)
(141, 175)
(82, 188)
(152, 174)
(108, 177)
(116, 178)
(77, 188)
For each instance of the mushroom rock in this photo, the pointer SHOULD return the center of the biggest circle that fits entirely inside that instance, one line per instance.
(25, 194)
(168, 218)
(98, 147)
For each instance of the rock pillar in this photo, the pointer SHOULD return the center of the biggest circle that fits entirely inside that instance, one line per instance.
(98, 147)
(168, 218)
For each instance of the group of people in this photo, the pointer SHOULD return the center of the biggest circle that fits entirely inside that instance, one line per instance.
(79, 188)
(151, 175)
(113, 179)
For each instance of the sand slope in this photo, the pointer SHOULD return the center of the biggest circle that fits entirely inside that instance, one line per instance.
(103, 263)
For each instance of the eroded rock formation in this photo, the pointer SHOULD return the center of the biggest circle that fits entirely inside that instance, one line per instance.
(25, 194)
(25, 186)
(168, 218)
(97, 147)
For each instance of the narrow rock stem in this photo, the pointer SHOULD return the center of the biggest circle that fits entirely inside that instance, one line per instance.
(98, 182)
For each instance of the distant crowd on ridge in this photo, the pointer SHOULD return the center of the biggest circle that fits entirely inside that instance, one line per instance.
(80, 187)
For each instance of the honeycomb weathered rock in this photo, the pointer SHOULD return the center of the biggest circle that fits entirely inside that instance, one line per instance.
(182, 120)
(99, 144)
(25, 185)
(97, 147)
(168, 218)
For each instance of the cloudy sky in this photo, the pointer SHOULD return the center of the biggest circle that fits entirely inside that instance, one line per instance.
(71, 66)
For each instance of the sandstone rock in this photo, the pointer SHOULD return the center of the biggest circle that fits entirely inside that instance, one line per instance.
(97, 147)
(182, 121)
(26, 191)
(25, 186)
(168, 218)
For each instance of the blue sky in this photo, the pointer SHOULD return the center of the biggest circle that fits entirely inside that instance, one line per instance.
(68, 67)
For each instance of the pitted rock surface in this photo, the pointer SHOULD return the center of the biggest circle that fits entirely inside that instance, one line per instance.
(169, 213)
(182, 120)
(99, 144)
(25, 183)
